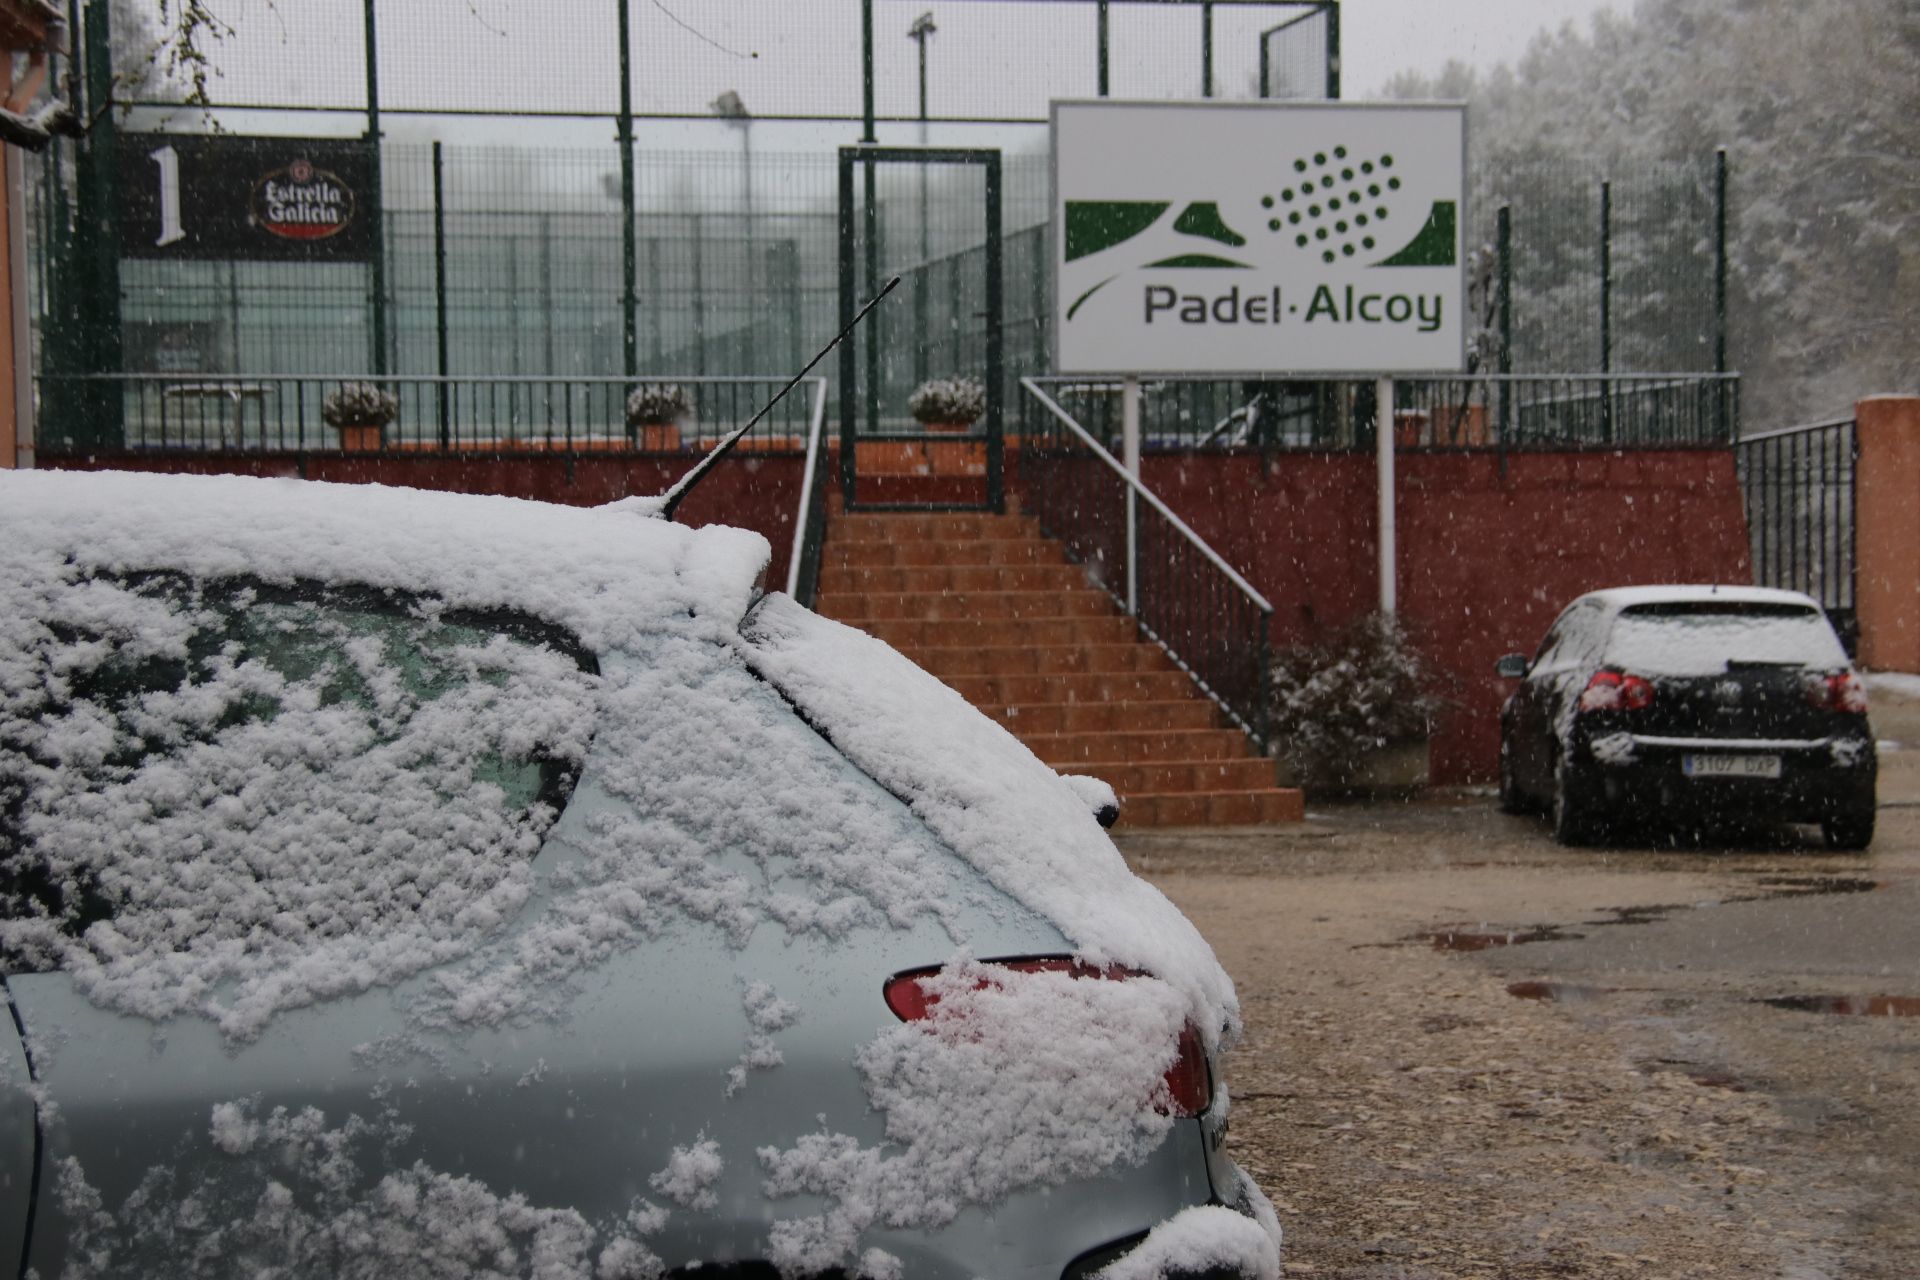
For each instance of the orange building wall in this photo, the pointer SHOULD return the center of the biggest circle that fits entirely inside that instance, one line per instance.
(1887, 532)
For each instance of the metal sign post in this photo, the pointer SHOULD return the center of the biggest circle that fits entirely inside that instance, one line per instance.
(1130, 459)
(1383, 443)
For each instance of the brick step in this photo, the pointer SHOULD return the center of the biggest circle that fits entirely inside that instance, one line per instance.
(1105, 717)
(1212, 808)
(945, 529)
(1254, 773)
(837, 504)
(998, 551)
(1032, 632)
(1068, 688)
(1073, 750)
(948, 662)
(956, 578)
(986, 606)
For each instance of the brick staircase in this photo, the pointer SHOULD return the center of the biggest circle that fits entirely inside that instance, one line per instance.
(993, 608)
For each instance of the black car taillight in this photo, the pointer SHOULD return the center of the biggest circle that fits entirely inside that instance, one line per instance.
(1616, 691)
(1189, 1081)
(1840, 691)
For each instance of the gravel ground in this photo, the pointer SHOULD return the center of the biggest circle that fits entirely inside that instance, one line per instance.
(1472, 1053)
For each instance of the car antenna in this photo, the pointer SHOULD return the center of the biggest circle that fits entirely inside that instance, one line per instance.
(684, 485)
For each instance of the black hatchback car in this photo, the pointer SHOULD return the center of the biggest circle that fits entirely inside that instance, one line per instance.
(1689, 702)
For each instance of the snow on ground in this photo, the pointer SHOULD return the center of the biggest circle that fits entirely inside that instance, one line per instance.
(1898, 683)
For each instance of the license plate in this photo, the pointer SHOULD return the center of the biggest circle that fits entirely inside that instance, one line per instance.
(1726, 765)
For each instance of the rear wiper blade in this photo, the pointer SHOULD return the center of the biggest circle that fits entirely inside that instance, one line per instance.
(1761, 664)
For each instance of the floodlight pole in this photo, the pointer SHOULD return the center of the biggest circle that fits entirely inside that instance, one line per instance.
(919, 33)
(1383, 464)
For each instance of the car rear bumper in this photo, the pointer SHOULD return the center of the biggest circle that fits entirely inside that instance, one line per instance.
(1818, 777)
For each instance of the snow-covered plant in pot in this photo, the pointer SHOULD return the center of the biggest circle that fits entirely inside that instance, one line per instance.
(360, 412)
(655, 411)
(949, 405)
(1350, 713)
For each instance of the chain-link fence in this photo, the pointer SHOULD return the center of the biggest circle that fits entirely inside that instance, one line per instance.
(532, 241)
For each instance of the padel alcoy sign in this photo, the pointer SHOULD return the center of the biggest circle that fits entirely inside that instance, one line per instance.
(1258, 237)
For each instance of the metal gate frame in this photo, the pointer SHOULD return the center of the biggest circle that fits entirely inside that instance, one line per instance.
(868, 156)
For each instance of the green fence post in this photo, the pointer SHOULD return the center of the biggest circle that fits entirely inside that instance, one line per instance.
(440, 297)
(378, 272)
(1206, 49)
(629, 249)
(1503, 240)
(1720, 260)
(1606, 310)
(1101, 24)
(1333, 50)
(866, 70)
(99, 412)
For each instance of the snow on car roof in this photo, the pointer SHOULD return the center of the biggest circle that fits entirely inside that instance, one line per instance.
(602, 574)
(1616, 598)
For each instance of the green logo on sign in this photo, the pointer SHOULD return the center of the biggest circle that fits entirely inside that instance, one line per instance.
(1334, 206)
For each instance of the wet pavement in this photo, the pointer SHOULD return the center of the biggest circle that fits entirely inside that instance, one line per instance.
(1472, 1052)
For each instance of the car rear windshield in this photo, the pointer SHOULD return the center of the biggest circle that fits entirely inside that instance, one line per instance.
(189, 767)
(1705, 637)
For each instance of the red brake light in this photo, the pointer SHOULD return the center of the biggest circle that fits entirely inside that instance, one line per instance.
(1189, 1080)
(1842, 691)
(1616, 691)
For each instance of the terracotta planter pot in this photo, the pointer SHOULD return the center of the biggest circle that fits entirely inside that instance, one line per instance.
(361, 437)
(655, 437)
(948, 428)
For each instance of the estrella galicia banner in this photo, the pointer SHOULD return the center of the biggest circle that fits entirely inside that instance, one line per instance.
(222, 196)
(1258, 237)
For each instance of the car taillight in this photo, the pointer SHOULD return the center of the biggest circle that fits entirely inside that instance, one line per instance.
(1842, 691)
(1189, 1081)
(1616, 691)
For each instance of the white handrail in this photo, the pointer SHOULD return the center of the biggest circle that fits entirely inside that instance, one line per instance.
(1147, 495)
(806, 486)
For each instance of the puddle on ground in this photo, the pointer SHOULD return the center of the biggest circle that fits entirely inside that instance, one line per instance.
(1557, 992)
(1809, 886)
(1640, 915)
(1485, 940)
(1851, 1006)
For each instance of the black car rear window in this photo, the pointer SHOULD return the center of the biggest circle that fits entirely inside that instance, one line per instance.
(1700, 637)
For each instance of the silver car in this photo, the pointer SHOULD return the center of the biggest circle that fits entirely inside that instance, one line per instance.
(401, 884)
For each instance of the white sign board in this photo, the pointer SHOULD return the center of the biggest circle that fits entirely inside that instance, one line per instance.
(1258, 238)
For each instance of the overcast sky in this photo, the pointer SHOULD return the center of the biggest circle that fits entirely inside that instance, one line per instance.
(1384, 37)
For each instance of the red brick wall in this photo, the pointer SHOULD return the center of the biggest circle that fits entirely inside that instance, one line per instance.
(1486, 560)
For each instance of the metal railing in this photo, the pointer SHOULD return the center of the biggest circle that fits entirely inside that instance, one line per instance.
(1799, 490)
(1186, 598)
(810, 522)
(1464, 412)
(201, 413)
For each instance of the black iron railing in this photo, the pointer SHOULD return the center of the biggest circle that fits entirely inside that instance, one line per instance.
(810, 522)
(208, 413)
(1799, 490)
(1206, 616)
(1468, 411)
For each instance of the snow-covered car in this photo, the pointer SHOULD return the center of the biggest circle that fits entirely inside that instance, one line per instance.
(1689, 702)
(402, 884)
